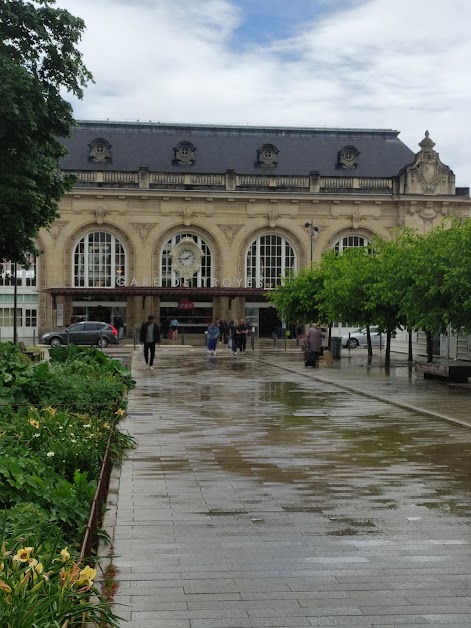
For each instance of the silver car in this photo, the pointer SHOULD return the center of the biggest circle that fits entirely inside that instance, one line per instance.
(84, 333)
(359, 339)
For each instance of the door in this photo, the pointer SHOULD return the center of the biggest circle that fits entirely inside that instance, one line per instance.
(268, 321)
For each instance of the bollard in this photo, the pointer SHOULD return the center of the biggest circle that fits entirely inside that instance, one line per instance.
(67, 336)
(252, 339)
(275, 338)
(182, 336)
(135, 338)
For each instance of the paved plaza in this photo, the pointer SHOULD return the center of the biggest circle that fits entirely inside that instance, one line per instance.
(265, 494)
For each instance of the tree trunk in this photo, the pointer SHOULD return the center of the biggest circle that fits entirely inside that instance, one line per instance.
(387, 357)
(368, 342)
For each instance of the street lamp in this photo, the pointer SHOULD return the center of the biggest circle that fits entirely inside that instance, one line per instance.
(313, 229)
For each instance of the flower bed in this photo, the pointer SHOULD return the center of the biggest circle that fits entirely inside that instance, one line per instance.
(57, 419)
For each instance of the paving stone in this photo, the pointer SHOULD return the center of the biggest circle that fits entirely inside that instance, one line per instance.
(263, 495)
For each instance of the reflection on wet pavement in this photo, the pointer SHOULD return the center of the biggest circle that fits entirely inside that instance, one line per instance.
(256, 484)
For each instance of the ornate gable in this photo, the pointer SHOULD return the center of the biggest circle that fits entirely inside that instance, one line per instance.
(427, 175)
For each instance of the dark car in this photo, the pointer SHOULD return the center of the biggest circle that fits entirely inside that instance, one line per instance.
(84, 333)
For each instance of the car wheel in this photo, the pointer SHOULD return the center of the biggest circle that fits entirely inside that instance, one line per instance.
(102, 342)
(55, 341)
(352, 343)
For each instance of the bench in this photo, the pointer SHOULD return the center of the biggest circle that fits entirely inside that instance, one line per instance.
(34, 356)
(455, 373)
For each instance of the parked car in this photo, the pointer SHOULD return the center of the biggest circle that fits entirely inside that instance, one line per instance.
(358, 338)
(84, 333)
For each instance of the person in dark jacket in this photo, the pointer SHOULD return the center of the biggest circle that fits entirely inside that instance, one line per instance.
(149, 337)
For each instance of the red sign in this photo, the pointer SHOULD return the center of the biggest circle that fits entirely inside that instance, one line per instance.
(185, 304)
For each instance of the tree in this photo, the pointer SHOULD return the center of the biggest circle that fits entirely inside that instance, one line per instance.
(297, 298)
(38, 61)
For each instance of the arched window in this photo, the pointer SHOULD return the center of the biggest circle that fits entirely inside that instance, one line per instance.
(203, 272)
(269, 259)
(349, 242)
(99, 261)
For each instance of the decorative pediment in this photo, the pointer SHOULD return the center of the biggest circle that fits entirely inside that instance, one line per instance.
(427, 174)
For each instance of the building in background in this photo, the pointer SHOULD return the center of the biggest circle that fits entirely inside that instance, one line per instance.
(199, 222)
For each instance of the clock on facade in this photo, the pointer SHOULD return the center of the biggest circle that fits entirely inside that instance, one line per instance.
(186, 257)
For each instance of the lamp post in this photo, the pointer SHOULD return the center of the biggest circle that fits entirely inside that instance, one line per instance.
(312, 229)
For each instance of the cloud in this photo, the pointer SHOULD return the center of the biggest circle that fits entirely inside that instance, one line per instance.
(370, 64)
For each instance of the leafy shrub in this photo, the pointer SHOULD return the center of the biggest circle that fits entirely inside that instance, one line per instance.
(43, 588)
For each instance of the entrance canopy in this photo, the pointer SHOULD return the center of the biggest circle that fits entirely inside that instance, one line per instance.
(146, 291)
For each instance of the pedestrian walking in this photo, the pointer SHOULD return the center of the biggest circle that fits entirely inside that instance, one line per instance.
(174, 328)
(212, 335)
(232, 342)
(313, 345)
(149, 337)
(241, 332)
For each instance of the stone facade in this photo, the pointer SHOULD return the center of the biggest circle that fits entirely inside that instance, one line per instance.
(243, 194)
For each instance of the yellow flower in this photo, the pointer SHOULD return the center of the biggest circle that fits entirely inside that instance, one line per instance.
(34, 423)
(51, 411)
(106, 426)
(39, 568)
(23, 554)
(1, 567)
(119, 412)
(65, 554)
(4, 587)
(86, 576)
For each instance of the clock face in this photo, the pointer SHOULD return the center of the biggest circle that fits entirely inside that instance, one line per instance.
(186, 258)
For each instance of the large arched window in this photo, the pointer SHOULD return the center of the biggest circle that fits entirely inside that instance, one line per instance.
(99, 261)
(349, 242)
(202, 277)
(269, 259)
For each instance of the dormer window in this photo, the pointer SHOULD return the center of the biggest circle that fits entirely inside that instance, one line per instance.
(184, 154)
(100, 150)
(348, 157)
(267, 155)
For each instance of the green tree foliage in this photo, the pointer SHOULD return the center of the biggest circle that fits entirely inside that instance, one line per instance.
(297, 298)
(415, 281)
(39, 60)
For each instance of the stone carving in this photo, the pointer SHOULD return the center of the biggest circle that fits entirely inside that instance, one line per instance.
(57, 227)
(184, 154)
(187, 216)
(100, 214)
(230, 231)
(356, 219)
(348, 157)
(100, 150)
(143, 229)
(427, 175)
(272, 218)
(267, 155)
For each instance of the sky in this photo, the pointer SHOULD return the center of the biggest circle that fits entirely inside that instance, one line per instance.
(390, 64)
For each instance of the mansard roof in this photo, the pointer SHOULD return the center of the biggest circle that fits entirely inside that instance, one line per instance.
(216, 149)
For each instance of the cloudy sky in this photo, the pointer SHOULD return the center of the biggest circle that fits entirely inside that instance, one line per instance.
(399, 64)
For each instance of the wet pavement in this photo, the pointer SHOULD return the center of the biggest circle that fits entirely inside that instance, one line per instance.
(262, 493)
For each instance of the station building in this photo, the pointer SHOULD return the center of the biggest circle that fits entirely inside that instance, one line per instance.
(200, 221)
